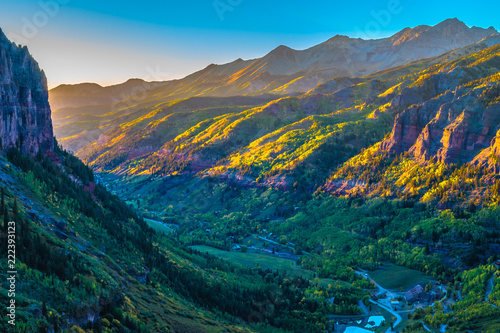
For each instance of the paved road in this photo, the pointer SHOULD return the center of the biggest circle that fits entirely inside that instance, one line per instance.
(394, 313)
(489, 290)
(489, 287)
(426, 328)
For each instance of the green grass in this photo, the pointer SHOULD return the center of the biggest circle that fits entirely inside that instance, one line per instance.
(398, 277)
(254, 259)
(158, 227)
(263, 261)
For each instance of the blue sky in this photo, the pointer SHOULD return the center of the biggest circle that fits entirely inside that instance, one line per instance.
(111, 41)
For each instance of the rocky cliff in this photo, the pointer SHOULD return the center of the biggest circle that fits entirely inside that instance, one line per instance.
(451, 115)
(25, 111)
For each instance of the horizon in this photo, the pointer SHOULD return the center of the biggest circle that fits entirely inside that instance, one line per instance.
(108, 45)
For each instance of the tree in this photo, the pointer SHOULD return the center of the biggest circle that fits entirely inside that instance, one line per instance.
(44, 309)
(472, 207)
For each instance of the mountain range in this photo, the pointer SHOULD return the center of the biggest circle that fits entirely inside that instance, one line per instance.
(268, 195)
(200, 130)
(285, 70)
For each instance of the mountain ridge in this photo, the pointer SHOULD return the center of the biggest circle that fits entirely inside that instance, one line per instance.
(338, 56)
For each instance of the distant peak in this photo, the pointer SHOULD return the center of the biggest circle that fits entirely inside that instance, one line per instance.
(452, 22)
(282, 48)
(337, 38)
(281, 51)
(134, 80)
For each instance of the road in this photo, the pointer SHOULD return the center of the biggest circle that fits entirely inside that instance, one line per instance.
(380, 288)
(387, 308)
(489, 287)
(394, 313)
(489, 290)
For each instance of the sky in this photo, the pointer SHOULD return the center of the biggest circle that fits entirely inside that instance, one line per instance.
(110, 41)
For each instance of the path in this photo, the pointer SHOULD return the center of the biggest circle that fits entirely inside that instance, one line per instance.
(489, 290)
(394, 313)
(380, 288)
(425, 327)
(489, 287)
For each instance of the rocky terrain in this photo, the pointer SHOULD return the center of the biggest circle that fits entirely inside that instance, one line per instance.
(26, 120)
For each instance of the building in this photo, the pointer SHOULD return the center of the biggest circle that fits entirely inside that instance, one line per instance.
(413, 294)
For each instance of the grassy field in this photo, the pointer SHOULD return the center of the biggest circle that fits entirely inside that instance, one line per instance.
(263, 261)
(397, 277)
(158, 226)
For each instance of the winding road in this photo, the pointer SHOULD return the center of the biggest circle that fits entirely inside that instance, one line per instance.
(381, 290)
(489, 290)
(394, 313)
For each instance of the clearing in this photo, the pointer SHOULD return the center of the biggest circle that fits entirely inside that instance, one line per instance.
(394, 277)
(263, 261)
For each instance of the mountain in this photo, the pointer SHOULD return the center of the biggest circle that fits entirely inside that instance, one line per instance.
(395, 172)
(82, 260)
(266, 213)
(286, 70)
(68, 96)
(175, 139)
(24, 104)
(90, 128)
(283, 71)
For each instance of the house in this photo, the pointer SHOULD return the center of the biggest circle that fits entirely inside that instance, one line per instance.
(497, 263)
(413, 294)
(427, 297)
(208, 231)
(236, 248)
(394, 301)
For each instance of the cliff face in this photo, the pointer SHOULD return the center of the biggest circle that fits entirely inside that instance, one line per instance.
(24, 106)
(452, 116)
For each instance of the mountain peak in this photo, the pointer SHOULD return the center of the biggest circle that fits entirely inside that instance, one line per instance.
(24, 101)
(281, 51)
(283, 48)
(338, 38)
(452, 22)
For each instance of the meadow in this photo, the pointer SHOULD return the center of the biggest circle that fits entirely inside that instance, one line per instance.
(398, 277)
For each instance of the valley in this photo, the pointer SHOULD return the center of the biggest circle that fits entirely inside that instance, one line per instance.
(352, 186)
(358, 208)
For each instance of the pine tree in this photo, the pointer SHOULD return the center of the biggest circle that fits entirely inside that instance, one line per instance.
(44, 309)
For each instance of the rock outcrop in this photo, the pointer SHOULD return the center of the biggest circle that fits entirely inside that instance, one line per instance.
(453, 127)
(25, 111)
